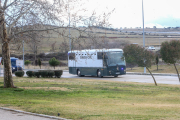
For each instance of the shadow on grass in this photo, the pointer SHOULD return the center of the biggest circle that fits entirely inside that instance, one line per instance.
(158, 70)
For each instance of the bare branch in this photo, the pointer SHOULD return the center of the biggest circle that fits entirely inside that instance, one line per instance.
(10, 27)
(41, 30)
(5, 3)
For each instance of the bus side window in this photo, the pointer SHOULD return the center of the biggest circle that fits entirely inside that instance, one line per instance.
(71, 56)
(100, 55)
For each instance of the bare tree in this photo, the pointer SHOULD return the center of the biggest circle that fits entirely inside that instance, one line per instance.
(13, 13)
(17, 23)
(34, 44)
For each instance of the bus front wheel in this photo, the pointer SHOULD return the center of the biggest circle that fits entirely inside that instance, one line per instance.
(79, 73)
(99, 74)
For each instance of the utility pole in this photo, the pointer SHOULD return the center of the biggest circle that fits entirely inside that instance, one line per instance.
(143, 31)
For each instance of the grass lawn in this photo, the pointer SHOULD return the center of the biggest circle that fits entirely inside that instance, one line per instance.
(161, 69)
(93, 99)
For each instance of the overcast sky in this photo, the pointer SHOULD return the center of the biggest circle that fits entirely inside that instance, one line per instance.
(128, 13)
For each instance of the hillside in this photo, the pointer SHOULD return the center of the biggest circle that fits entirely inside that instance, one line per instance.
(53, 41)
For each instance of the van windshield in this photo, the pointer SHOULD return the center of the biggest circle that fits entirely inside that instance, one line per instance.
(115, 58)
(13, 63)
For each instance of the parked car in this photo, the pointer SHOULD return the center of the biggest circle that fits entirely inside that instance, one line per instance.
(151, 48)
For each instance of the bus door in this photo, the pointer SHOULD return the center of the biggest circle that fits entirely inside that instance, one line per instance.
(104, 63)
(103, 57)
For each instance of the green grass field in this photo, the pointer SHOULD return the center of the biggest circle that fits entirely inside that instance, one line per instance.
(83, 99)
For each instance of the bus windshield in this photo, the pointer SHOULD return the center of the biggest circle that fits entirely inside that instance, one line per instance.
(115, 58)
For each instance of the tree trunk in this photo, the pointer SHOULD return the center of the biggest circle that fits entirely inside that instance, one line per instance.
(8, 81)
(177, 71)
(152, 76)
(157, 67)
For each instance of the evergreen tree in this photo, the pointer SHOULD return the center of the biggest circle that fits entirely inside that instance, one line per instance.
(54, 62)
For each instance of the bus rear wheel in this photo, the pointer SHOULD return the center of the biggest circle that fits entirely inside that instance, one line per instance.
(99, 74)
(116, 76)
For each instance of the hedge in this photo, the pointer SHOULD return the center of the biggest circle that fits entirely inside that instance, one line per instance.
(30, 73)
(37, 74)
(58, 73)
(19, 73)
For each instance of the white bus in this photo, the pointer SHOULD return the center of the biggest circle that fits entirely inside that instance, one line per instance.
(97, 62)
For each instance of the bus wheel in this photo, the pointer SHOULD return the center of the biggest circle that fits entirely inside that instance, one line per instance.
(99, 74)
(79, 73)
(116, 76)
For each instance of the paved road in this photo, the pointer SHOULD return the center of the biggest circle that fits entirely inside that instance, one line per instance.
(163, 79)
(11, 115)
(130, 77)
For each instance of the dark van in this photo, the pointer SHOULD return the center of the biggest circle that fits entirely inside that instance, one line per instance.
(13, 64)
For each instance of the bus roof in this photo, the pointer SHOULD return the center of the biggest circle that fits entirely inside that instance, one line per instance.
(95, 50)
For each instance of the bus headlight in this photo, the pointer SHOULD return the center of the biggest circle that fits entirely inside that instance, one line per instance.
(117, 68)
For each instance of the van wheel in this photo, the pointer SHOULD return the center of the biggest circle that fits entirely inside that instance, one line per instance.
(99, 74)
(116, 76)
(79, 73)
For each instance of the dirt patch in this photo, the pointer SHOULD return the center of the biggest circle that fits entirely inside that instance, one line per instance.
(47, 88)
(158, 70)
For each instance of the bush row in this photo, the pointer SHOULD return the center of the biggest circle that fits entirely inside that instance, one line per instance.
(45, 73)
(41, 73)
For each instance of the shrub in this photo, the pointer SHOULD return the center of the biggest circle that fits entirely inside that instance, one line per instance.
(19, 73)
(44, 73)
(27, 62)
(58, 73)
(37, 74)
(30, 73)
(54, 62)
(51, 74)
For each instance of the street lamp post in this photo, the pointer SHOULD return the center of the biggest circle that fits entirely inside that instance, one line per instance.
(143, 31)
(23, 54)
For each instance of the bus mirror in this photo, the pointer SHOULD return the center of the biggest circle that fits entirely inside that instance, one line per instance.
(105, 57)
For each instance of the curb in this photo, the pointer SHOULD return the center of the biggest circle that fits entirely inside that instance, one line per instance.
(35, 114)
